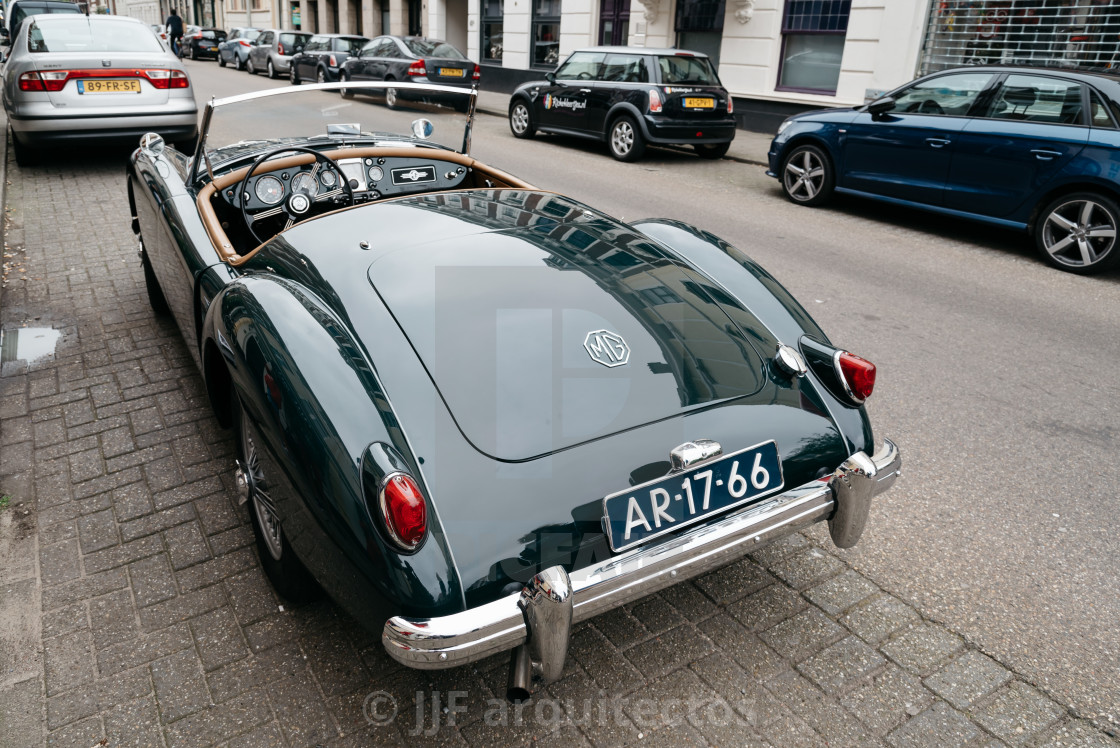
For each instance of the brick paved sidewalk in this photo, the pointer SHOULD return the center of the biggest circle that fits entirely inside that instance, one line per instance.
(133, 609)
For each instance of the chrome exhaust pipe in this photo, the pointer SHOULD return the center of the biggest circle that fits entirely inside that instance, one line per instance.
(520, 687)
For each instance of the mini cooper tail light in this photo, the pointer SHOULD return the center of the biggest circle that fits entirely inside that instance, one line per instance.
(477, 74)
(417, 68)
(333, 61)
(857, 374)
(654, 101)
(404, 510)
(730, 105)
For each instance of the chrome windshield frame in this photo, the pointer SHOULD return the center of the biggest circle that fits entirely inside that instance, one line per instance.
(365, 87)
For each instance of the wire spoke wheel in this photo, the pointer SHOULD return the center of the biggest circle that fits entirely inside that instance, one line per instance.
(1079, 233)
(263, 505)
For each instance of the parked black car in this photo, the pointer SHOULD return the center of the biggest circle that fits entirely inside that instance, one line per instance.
(201, 43)
(630, 97)
(323, 55)
(412, 59)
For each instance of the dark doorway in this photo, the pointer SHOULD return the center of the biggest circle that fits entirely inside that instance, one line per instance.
(415, 26)
(614, 22)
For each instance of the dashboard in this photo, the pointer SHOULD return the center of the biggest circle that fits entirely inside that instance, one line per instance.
(370, 178)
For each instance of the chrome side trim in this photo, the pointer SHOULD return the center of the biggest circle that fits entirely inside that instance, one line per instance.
(843, 499)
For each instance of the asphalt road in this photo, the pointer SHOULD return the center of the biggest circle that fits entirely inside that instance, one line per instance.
(998, 377)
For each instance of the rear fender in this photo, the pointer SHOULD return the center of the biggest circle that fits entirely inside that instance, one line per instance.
(767, 299)
(317, 407)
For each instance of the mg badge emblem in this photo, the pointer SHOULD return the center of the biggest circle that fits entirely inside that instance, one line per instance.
(607, 348)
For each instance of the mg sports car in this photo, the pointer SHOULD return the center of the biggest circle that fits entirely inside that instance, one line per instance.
(474, 411)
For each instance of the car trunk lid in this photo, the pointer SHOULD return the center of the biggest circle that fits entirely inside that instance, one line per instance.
(556, 326)
(106, 82)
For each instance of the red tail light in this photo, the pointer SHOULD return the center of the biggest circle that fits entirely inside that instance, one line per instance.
(417, 68)
(477, 74)
(280, 48)
(244, 42)
(334, 64)
(404, 510)
(55, 80)
(730, 105)
(858, 375)
(654, 101)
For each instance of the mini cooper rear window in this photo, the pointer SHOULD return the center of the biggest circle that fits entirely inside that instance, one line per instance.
(78, 34)
(686, 70)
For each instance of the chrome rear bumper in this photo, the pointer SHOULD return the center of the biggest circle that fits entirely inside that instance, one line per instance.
(842, 498)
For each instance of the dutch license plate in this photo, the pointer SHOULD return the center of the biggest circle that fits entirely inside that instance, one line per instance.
(109, 86)
(660, 506)
(451, 72)
(699, 103)
(213, 49)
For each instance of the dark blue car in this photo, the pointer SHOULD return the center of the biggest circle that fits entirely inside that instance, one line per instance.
(1031, 149)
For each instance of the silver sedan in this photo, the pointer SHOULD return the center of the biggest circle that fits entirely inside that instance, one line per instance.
(77, 78)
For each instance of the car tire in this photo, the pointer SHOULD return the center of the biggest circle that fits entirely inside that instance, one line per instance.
(25, 155)
(237, 63)
(625, 139)
(156, 299)
(221, 60)
(250, 68)
(293, 75)
(289, 577)
(271, 69)
(712, 151)
(807, 176)
(1072, 233)
(321, 76)
(345, 92)
(392, 98)
(521, 120)
(194, 53)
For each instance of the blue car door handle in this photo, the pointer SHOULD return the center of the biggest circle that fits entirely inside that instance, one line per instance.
(1045, 154)
(938, 142)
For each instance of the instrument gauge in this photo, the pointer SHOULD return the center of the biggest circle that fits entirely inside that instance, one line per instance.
(269, 190)
(305, 183)
(375, 173)
(329, 179)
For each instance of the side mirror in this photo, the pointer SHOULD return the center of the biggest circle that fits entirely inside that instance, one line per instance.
(550, 77)
(881, 106)
(151, 144)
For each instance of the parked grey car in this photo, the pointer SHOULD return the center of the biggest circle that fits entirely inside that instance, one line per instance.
(75, 78)
(235, 49)
(272, 51)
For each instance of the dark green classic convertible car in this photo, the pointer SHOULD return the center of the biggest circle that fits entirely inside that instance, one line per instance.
(474, 411)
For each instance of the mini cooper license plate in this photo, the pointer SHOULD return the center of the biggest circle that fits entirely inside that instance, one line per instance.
(701, 103)
(451, 72)
(644, 512)
(109, 86)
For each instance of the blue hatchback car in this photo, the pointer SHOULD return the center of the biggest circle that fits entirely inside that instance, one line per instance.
(1034, 149)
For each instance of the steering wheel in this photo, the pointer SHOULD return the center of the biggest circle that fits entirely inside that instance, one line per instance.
(929, 106)
(584, 76)
(297, 204)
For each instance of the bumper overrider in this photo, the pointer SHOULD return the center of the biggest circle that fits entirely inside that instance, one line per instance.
(536, 622)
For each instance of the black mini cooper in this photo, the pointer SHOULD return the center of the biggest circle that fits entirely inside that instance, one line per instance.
(629, 97)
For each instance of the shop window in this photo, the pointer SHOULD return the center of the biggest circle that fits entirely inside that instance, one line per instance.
(493, 12)
(813, 33)
(699, 27)
(546, 33)
(1057, 33)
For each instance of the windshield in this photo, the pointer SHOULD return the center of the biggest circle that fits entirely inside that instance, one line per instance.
(245, 126)
(679, 69)
(433, 48)
(80, 34)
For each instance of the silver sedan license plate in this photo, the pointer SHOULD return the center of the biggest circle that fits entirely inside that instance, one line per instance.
(644, 512)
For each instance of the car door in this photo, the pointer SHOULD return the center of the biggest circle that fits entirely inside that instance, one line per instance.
(620, 77)
(1032, 127)
(906, 152)
(367, 65)
(309, 60)
(260, 50)
(563, 102)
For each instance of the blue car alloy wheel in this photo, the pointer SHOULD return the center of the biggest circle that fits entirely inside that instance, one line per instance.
(1078, 232)
(807, 177)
